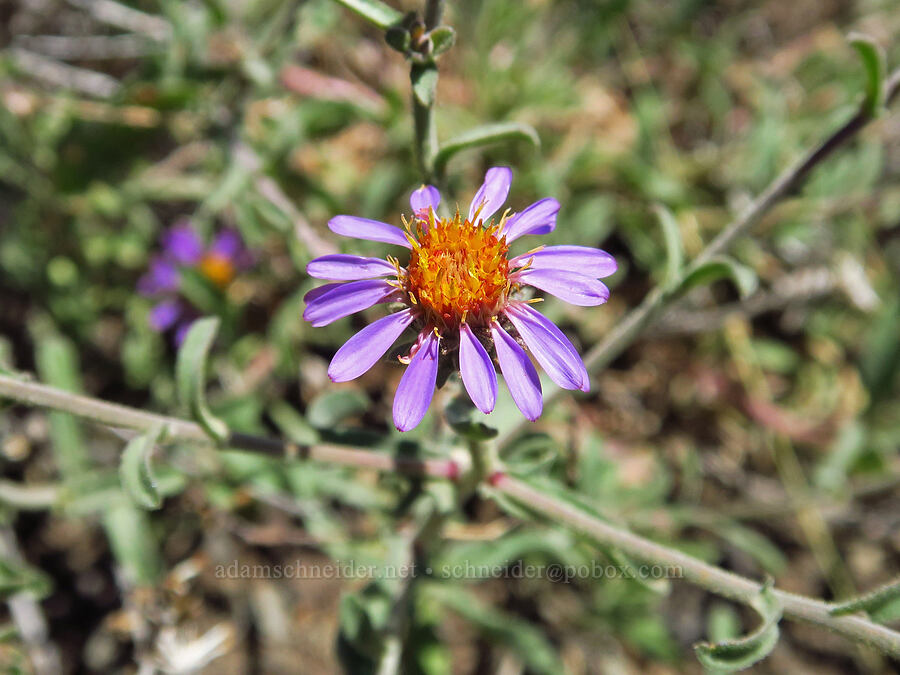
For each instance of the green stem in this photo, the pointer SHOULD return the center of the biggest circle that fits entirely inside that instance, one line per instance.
(426, 141)
(434, 13)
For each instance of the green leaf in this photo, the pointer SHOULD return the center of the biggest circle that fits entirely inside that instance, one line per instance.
(442, 38)
(190, 375)
(847, 448)
(485, 135)
(672, 237)
(17, 577)
(531, 453)
(398, 38)
(136, 473)
(883, 604)
(333, 407)
(462, 417)
(739, 653)
(131, 539)
(872, 56)
(744, 278)
(376, 12)
(424, 83)
(292, 424)
(523, 638)
(57, 364)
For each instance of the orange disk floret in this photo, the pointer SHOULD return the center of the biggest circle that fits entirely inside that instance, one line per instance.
(217, 268)
(457, 269)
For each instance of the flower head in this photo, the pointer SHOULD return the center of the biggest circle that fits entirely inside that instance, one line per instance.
(183, 250)
(462, 293)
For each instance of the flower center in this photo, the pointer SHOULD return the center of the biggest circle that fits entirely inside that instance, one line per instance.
(457, 270)
(217, 268)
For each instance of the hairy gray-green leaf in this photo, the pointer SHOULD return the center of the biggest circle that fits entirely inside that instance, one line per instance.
(485, 135)
(872, 56)
(739, 653)
(883, 604)
(190, 374)
(442, 38)
(333, 407)
(531, 453)
(376, 12)
(136, 473)
(424, 83)
(523, 638)
(672, 238)
(723, 267)
(465, 419)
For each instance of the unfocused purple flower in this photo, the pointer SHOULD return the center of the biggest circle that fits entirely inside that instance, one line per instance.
(182, 249)
(460, 293)
(182, 244)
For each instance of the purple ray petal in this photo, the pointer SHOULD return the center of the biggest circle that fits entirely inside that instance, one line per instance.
(349, 267)
(162, 277)
(345, 299)
(372, 230)
(557, 357)
(492, 193)
(182, 244)
(317, 292)
(229, 244)
(518, 371)
(572, 287)
(423, 198)
(364, 349)
(477, 370)
(539, 218)
(416, 388)
(591, 262)
(164, 315)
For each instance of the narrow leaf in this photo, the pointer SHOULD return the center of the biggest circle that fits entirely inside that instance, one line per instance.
(424, 83)
(17, 577)
(376, 12)
(739, 653)
(872, 56)
(744, 278)
(190, 374)
(330, 408)
(883, 604)
(672, 238)
(136, 473)
(485, 135)
(522, 637)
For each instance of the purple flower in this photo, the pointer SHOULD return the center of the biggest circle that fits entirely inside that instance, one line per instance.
(182, 248)
(182, 244)
(461, 293)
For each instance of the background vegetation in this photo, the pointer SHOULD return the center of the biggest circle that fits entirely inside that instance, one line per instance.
(758, 432)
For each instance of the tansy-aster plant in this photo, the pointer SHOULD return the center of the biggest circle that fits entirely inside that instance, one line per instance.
(461, 293)
(184, 250)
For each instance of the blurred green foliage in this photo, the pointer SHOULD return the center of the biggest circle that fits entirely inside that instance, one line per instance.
(692, 105)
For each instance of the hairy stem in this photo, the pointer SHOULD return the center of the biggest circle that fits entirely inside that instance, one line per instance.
(123, 417)
(709, 577)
